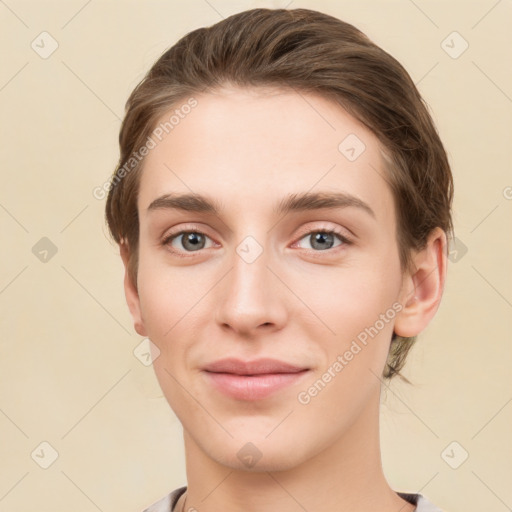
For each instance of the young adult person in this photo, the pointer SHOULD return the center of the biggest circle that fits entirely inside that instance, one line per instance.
(282, 204)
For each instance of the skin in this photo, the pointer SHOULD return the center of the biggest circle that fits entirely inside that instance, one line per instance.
(247, 149)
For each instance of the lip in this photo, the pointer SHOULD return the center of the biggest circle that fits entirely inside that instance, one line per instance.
(252, 380)
(255, 367)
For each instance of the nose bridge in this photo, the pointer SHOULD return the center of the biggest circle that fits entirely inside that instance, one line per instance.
(250, 296)
(249, 277)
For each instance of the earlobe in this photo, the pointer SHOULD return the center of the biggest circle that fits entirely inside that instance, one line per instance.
(423, 288)
(131, 294)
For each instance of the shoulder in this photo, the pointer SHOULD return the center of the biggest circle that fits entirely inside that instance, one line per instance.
(422, 503)
(167, 503)
(425, 505)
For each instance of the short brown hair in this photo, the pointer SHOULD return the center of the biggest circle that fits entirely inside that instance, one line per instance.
(306, 51)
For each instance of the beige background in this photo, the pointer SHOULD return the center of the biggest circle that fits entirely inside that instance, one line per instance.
(68, 373)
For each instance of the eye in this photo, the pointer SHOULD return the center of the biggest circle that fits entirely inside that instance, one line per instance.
(322, 239)
(186, 241)
(190, 241)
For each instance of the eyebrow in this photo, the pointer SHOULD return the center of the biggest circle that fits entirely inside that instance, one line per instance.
(291, 203)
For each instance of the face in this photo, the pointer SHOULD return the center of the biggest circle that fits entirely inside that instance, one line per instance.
(314, 284)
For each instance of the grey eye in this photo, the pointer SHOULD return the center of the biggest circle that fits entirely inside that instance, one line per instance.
(190, 240)
(321, 240)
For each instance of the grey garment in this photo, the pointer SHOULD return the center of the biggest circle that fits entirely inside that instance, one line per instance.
(167, 503)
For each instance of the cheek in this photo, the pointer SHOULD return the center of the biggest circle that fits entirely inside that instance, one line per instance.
(351, 299)
(176, 305)
(360, 311)
(162, 295)
(362, 317)
(155, 303)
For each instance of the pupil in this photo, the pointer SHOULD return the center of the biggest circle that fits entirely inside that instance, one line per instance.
(320, 239)
(194, 239)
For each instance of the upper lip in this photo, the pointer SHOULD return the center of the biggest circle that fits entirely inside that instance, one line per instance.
(255, 367)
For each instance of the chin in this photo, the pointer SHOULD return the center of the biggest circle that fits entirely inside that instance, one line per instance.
(258, 455)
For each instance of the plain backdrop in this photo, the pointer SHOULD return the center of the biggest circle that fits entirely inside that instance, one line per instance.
(83, 424)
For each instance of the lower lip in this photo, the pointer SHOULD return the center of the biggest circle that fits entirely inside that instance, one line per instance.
(252, 387)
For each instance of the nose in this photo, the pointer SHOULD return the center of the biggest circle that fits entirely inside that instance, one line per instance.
(251, 299)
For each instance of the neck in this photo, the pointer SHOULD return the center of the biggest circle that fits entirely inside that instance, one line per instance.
(346, 476)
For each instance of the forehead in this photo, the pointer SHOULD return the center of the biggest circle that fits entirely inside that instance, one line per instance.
(250, 147)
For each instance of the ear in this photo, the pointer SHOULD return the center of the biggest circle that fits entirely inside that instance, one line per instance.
(423, 288)
(131, 294)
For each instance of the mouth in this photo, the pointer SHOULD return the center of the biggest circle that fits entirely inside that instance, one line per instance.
(252, 380)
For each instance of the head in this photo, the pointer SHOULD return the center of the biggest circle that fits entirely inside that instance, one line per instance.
(252, 113)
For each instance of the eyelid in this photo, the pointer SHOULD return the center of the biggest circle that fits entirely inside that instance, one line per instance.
(185, 228)
(347, 239)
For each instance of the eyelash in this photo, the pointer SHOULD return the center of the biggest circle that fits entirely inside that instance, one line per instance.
(343, 238)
